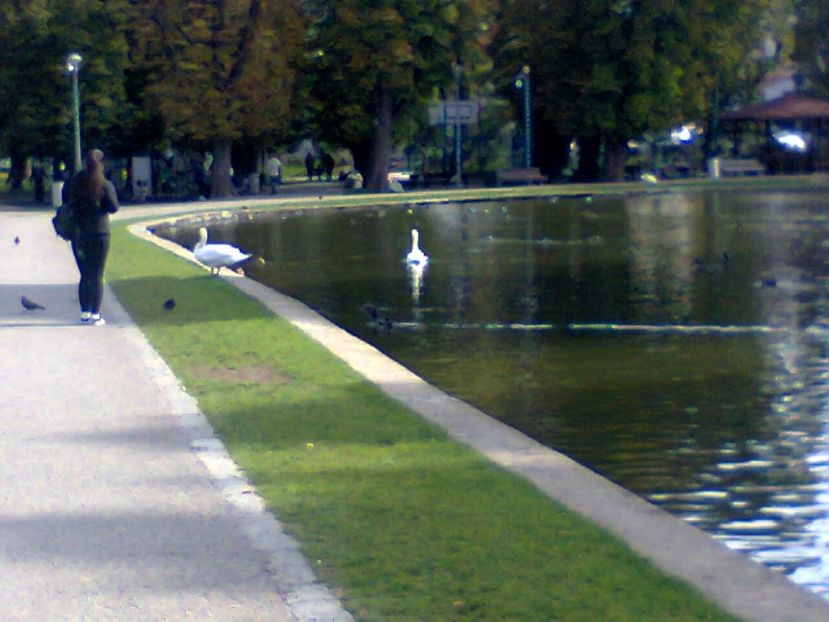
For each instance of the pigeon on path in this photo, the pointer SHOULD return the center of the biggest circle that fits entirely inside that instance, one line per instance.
(30, 305)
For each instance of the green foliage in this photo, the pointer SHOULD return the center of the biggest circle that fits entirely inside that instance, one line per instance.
(219, 70)
(35, 104)
(30, 99)
(96, 30)
(405, 48)
(812, 44)
(618, 69)
(360, 74)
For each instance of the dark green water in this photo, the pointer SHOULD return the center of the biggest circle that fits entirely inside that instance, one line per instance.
(673, 343)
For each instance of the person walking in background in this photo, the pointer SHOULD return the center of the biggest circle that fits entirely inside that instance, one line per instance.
(273, 169)
(93, 198)
(328, 165)
(38, 177)
(200, 179)
(309, 165)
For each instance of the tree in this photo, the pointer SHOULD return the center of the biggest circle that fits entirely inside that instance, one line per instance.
(96, 30)
(812, 45)
(377, 64)
(35, 107)
(220, 71)
(608, 71)
(24, 79)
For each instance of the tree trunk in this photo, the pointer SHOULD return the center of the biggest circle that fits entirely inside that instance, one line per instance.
(552, 152)
(243, 157)
(221, 186)
(712, 130)
(17, 172)
(361, 152)
(614, 160)
(378, 175)
(589, 153)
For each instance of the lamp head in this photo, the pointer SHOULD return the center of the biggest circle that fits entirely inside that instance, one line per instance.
(522, 77)
(73, 62)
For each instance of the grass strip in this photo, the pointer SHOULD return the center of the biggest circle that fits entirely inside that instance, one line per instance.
(401, 522)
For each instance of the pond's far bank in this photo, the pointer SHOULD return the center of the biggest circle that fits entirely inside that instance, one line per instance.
(313, 199)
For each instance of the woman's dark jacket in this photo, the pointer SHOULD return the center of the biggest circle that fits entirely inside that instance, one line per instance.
(93, 212)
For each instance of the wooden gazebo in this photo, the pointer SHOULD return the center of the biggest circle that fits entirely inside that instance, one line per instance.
(794, 111)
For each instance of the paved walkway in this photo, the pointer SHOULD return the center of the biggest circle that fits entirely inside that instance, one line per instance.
(115, 503)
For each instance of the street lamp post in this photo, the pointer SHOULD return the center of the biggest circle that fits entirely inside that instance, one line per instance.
(522, 81)
(458, 136)
(73, 67)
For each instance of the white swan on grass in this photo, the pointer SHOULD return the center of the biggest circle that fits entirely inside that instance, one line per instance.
(217, 256)
(416, 257)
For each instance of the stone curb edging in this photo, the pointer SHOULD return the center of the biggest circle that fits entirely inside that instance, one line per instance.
(305, 597)
(741, 586)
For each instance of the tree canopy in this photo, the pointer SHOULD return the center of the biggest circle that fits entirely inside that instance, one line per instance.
(607, 71)
(812, 45)
(361, 73)
(377, 64)
(35, 38)
(219, 71)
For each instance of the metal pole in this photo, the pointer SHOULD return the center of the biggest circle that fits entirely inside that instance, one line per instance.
(528, 139)
(443, 131)
(76, 113)
(72, 65)
(458, 146)
(458, 158)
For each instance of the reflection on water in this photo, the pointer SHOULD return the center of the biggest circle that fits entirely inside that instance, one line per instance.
(674, 343)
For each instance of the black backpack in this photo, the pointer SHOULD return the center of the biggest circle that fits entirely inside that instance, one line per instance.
(65, 222)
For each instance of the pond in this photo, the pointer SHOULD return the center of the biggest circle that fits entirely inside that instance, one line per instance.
(674, 343)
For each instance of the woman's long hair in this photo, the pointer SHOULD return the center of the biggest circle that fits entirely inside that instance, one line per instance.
(94, 165)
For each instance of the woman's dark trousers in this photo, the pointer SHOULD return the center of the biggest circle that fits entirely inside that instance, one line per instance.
(91, 252)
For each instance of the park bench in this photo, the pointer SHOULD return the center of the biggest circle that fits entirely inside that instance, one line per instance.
(427, 180)
(516, 176)
(741, 166)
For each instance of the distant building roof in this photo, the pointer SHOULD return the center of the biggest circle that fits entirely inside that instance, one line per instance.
(790, 107)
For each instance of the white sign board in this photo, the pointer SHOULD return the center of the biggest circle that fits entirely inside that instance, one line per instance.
(460, 112)
(142, 177)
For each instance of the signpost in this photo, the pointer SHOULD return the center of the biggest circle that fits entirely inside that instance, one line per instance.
(457, 113)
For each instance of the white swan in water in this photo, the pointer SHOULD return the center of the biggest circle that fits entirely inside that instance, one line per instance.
(217, 256)
(416, 257)
(416, 272)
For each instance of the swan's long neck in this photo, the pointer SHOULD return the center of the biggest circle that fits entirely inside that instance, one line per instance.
(202, 238)
(415, 236)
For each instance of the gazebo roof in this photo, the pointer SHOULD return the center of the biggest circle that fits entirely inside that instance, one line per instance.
(791, 107)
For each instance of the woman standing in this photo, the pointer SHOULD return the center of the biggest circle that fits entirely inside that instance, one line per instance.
(93, 198)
